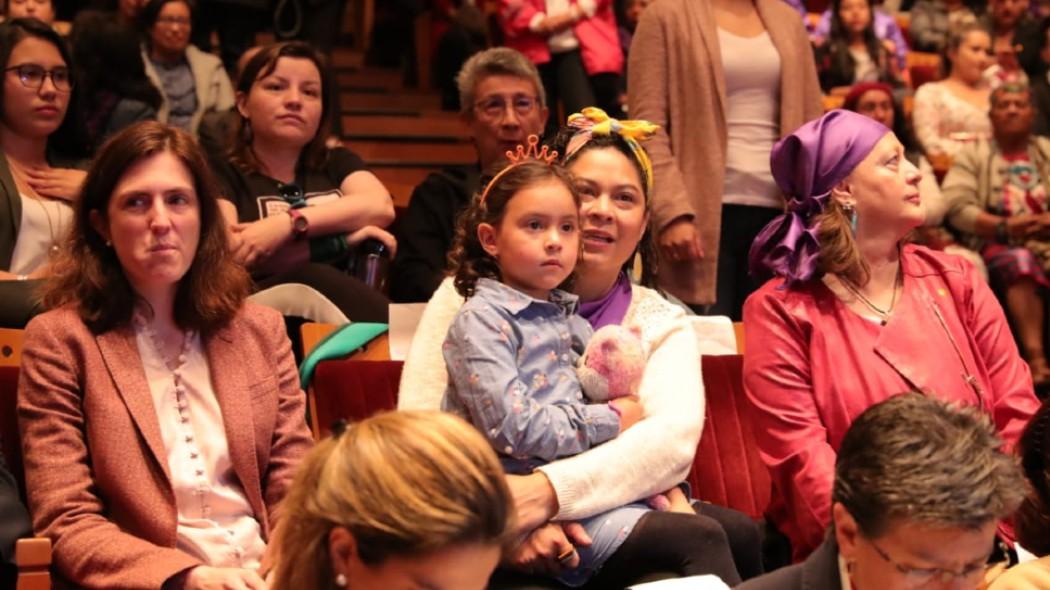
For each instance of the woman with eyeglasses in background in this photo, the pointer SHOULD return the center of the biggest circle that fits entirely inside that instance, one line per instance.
(193, 82)
(296, 208)
(38, 142)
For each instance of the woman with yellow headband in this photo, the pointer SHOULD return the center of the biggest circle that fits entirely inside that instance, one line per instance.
(656, 453)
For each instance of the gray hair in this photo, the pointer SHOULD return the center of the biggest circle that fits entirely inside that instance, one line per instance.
(1010, 88)
(498, 61)
(924, 460)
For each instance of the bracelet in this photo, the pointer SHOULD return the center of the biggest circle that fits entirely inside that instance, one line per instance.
(22, 278)
(1001, 235)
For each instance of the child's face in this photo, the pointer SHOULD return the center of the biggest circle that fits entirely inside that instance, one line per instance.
(538, 241)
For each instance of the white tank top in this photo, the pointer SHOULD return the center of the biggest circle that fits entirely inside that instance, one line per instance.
(43, 228)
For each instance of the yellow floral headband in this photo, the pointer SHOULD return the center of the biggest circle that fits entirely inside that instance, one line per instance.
(593, 121)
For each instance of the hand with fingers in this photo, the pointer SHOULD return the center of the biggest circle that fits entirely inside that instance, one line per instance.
(56, 183)
(373, 232)
(550, 549)
(680, 241)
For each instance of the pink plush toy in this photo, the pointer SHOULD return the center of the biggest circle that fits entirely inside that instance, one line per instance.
(611, 367)
(613, 363)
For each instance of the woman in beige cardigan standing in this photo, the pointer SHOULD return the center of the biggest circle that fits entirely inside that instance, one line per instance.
(724, 79)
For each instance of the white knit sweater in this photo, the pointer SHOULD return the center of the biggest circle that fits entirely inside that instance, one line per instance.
(650, 457)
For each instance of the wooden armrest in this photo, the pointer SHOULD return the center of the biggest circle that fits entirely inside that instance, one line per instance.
(33, 558)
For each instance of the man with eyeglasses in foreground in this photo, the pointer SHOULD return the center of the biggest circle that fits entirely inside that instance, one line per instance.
(920, 487)
(503, 103)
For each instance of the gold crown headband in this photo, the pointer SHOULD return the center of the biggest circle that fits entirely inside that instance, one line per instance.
(593, 121)
(521, 155)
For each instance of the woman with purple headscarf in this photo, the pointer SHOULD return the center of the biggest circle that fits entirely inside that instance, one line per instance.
(854, 314)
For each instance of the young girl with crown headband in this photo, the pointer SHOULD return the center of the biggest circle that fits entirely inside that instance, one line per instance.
(511, 353)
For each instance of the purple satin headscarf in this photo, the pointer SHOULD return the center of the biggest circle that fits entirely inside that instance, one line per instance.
(806, 165)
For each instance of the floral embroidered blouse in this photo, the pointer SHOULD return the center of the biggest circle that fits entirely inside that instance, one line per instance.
(511, 363)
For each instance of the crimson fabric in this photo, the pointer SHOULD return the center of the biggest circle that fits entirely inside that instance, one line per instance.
(10, 444)
(728, 470)
(354, 390)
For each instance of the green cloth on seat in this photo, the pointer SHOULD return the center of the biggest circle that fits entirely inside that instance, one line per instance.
(339, 344)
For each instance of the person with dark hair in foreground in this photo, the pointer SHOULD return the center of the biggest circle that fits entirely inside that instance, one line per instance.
(920, 485)
(161, 415)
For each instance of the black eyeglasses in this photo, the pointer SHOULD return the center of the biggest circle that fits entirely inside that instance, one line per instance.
(493, 107)
(32, 76)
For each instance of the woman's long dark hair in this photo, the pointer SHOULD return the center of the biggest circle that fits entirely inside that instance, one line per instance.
(109, 66)
(68, 140)
(839, 61)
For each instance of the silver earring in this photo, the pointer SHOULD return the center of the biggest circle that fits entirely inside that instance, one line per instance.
(340, 580)
(109, 244)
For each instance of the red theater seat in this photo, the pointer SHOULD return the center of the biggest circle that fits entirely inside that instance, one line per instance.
(726, 471)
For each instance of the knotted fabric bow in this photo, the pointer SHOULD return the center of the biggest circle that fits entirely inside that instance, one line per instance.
(593, 121)
(806, 165)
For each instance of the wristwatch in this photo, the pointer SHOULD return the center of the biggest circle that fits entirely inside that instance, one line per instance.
(300, 224)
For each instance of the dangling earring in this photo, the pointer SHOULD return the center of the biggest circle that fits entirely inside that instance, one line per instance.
(340, 580)
(246, 131)
(851, 213)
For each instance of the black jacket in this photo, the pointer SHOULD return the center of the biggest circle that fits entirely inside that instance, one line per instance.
(426, 230)
(820, 571)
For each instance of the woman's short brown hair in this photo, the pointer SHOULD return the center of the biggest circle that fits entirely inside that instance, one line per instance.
(88, 273)
(262, 64)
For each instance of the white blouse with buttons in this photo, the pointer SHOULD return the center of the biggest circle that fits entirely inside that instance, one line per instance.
(215, 521)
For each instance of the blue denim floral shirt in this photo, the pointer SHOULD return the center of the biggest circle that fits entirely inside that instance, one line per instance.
(511, 363)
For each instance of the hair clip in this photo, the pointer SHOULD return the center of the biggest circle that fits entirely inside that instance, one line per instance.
(521, 155)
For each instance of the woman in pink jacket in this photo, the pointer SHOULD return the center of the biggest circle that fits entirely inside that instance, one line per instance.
(855, 315)
(576, 46)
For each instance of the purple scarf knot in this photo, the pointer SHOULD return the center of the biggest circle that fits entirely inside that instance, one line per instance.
(806, 165)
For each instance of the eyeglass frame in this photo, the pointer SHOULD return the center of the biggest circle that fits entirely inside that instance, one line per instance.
(504, 103)
(935, 573)
(45, 74)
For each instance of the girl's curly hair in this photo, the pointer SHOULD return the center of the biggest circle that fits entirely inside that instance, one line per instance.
(467, 260)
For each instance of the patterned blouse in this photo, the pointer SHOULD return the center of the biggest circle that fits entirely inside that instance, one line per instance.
(944, 122)
(511, 362)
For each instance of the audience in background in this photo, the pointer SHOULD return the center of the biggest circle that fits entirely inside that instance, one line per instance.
(885, 27)
(400, 500)
(855, 313)
(851, 53)
(14, 524)
(192, 82)
(1014, 35)
(296, 208)
(919, 487)
(111, 76)
(566, 46)
(503, 103)
(1041, 84)
(161, 416)
(933, 22)
(41, 10)
(38, 140)
(949, 113)
(713, 190)
(997, 193)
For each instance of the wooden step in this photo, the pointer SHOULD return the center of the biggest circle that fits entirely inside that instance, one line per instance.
(412, 153)
(408, 101)
(401, 181)
(370, 80)
(432, 127)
